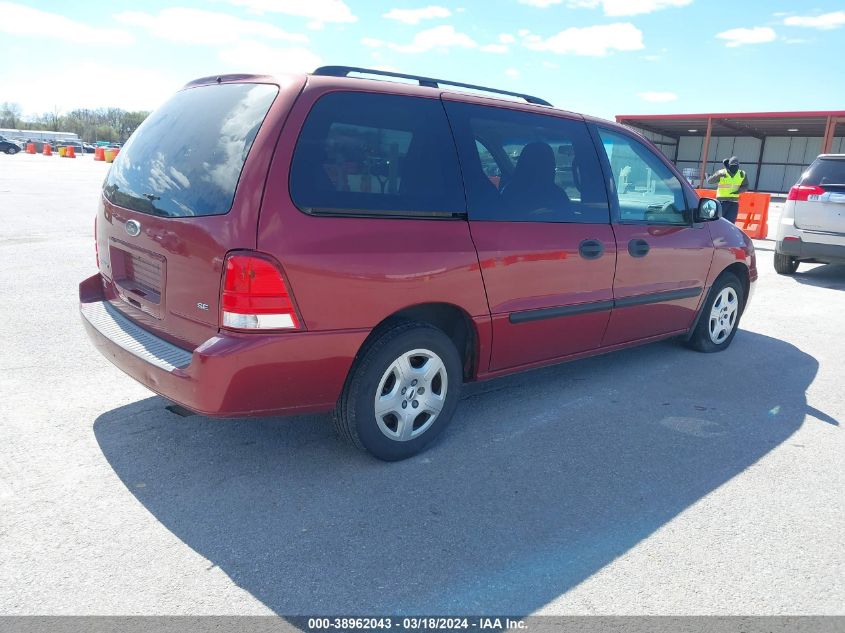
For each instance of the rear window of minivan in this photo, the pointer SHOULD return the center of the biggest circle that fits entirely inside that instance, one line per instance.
(825, 171)
(186, 158)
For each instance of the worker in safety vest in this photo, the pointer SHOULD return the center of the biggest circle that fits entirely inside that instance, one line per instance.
(732, 181)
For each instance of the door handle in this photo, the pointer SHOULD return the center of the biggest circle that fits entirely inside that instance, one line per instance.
(638, 248)
(591, 249)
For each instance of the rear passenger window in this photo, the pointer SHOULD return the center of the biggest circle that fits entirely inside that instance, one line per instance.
(648, 190)
(372, 154)
(525, 167)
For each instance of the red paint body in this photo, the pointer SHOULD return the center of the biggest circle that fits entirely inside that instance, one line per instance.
(347, 275)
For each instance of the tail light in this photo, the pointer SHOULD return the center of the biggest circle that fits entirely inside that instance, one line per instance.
(255, 295)
(96, 246)
(801, 193)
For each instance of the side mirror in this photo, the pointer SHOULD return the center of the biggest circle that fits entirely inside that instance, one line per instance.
(708, 210)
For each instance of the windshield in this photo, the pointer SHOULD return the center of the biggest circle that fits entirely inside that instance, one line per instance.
(186, 158)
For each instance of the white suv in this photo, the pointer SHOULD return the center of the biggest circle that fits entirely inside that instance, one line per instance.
(812, 227)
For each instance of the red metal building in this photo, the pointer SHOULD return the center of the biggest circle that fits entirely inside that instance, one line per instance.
(773, 147)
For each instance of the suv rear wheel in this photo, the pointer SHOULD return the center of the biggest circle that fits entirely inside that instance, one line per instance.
(401, 393)
(785, 265)
(720, 315)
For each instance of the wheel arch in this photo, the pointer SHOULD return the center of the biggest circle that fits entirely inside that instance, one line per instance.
(454, 321)
(738, 270)
(741, 272)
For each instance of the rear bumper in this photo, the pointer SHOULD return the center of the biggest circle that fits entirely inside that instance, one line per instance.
(229, 375)
(824, 253)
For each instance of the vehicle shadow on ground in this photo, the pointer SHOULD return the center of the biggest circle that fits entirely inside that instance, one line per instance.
(542, 479)
(827, 276)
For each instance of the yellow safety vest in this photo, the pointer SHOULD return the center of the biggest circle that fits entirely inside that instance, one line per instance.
(728, 184)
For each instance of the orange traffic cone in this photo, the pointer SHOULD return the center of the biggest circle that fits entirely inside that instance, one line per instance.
(71, 153)
(47, 150)
(30, 148)
(99, 153)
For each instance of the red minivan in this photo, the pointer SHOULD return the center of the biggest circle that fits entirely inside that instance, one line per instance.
(337, 242)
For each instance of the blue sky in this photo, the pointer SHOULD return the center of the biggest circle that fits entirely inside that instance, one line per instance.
(603, 57)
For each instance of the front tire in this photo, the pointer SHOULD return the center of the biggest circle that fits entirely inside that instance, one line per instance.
(785, 265)
(11, 151)
(401, 393)
(720, 316)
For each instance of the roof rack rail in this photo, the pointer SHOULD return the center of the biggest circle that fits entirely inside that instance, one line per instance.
(429, 82)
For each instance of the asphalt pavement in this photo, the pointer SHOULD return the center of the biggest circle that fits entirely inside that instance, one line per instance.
(655, 480)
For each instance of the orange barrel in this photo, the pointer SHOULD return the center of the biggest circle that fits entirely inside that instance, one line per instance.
(30, 148)
(71, 153)
(62, 150)
(47, 150)
(99, 153)
(110, 154)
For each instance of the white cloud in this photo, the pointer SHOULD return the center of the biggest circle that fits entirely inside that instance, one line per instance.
(507, 38)
(437, 38)
(415, 16)
(256, 57)
(513, 73)
(826, 21)
(658, 97)
(754, 35)
(80, 85)
(28, 22)
(318, 11)
(494, 48)
(618, 8)
(612, 8)
(542, 4)
(196, 26)
(595, 41)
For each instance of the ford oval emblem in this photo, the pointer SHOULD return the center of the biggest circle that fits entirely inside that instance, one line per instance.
(132, 227)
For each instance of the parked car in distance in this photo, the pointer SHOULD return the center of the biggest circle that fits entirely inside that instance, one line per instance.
(366, 247)
(8, 146)
(812, 225)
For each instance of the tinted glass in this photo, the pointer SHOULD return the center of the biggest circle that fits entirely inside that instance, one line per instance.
(186, 158)
(524, 167)
(362, 153)
(825, 171)
(648, 190)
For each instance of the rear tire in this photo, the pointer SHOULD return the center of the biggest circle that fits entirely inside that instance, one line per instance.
(785, 265)
(401, 393)
(720, 316)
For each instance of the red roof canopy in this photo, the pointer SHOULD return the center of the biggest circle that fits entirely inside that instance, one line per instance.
(759, 124)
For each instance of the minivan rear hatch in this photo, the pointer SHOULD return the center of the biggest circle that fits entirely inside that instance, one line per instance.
(169, 211)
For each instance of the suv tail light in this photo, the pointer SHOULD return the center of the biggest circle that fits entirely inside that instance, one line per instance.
(801, 193)
(255, 295)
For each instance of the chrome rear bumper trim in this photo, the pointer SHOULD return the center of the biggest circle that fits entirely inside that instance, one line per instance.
(133, 338)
